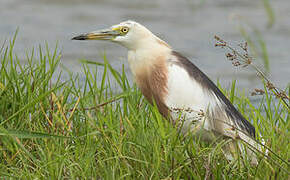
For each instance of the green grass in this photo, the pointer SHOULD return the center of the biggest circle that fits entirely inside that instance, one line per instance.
(85, 129)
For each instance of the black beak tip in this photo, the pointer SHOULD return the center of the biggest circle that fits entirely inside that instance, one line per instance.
(81, 37)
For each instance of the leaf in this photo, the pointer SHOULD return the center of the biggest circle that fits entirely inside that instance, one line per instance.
(31, 103)
(2, 87)
(29, 134)
(270, 13)
(232, 95)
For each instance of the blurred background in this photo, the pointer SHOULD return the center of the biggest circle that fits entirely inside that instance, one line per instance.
(187, 25)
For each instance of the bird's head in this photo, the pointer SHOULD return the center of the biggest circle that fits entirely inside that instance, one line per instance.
(130, 34)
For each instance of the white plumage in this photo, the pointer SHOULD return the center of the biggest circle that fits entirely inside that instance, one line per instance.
(179, 87)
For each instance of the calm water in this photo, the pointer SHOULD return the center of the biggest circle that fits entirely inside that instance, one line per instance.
(187, 25)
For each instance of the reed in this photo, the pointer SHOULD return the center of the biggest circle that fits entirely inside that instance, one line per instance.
(78, 128)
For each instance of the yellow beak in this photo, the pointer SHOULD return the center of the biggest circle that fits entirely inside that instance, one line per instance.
(105, 34)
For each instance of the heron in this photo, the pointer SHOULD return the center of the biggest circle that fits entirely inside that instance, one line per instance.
(178, 88)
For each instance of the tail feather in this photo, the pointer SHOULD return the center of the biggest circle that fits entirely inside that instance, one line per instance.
(246, 146)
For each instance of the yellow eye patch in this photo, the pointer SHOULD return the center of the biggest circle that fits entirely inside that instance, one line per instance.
(123, 30)
(116, 29)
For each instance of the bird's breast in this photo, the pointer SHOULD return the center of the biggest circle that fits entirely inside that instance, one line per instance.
(151, 76)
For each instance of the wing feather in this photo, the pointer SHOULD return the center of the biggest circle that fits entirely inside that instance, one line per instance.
(205, 89)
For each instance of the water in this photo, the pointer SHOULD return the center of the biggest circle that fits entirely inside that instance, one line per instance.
(187, 25)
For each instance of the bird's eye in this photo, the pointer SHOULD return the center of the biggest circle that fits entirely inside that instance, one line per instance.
(124, 30)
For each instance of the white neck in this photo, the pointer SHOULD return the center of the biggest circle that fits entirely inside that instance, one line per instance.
(146, 54)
